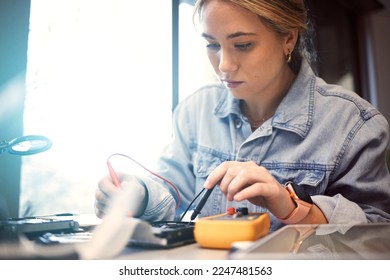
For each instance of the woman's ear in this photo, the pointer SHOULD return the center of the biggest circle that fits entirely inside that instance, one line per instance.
(290, 41)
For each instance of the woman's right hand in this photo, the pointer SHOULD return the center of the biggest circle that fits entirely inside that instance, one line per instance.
(106, 189)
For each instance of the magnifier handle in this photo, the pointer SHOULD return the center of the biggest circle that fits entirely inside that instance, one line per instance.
(113, 175)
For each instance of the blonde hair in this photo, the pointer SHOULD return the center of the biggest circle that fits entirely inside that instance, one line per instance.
(282, 16)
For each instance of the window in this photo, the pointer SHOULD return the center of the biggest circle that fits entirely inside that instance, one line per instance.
(98, 82)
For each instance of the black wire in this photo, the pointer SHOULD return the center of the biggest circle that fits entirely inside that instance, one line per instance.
(188, 208)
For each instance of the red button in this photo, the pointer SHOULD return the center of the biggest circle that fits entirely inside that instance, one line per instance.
(231, 211)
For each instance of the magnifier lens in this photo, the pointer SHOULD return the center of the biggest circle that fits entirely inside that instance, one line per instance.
(28, 145)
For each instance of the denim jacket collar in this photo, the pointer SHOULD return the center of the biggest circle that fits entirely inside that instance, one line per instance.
(294, 112)
(227, 105)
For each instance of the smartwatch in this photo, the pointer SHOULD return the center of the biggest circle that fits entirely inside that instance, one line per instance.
(302, 200)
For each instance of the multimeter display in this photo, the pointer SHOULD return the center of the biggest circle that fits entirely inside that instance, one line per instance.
(220, 231)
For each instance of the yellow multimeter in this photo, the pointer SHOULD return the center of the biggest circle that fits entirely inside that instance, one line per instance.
(220, 231)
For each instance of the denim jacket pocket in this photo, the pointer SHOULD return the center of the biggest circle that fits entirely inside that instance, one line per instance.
(206, 160)
(205, 163)
(312, 180)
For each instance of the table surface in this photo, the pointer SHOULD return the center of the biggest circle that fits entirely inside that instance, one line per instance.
(355, 242)
(365, 241)
(186, 252)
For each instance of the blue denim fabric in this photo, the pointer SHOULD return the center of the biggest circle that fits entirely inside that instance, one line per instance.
(322, 136)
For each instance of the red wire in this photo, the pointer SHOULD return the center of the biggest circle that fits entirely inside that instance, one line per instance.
(151, 172)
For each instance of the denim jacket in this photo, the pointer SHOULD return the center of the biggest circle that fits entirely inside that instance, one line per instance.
(322, 137)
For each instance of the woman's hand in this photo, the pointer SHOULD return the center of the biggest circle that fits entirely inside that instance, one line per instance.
(106, 189)
(248, 181)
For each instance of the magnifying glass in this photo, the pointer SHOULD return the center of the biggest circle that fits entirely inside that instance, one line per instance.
(26, 145)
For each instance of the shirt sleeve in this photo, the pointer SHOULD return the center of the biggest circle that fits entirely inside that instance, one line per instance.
(161, 204)
(360, 190)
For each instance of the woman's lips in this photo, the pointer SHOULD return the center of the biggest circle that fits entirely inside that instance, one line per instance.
(232, 84)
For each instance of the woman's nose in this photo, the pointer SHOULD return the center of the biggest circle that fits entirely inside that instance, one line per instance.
(227, 62)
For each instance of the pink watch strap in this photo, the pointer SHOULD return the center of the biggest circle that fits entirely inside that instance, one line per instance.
(300, 212)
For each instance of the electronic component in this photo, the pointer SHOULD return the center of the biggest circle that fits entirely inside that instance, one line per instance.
(38, 225)
(167, 234)
(163, 235)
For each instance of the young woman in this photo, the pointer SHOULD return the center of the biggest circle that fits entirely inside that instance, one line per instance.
(269, 130)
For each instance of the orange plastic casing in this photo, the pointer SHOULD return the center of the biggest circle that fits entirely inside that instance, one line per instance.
(220, 231)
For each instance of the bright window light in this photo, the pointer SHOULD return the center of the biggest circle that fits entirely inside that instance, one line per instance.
(98, 82)
(194, 67)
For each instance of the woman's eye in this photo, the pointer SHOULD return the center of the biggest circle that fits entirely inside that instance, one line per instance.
(243, 47)
(213, 46)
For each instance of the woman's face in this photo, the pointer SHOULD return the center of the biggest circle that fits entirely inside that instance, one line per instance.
(248, 56)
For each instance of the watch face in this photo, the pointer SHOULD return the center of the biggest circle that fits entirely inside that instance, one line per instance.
(301, 193)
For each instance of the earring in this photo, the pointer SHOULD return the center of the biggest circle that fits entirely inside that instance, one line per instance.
(288, 57)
